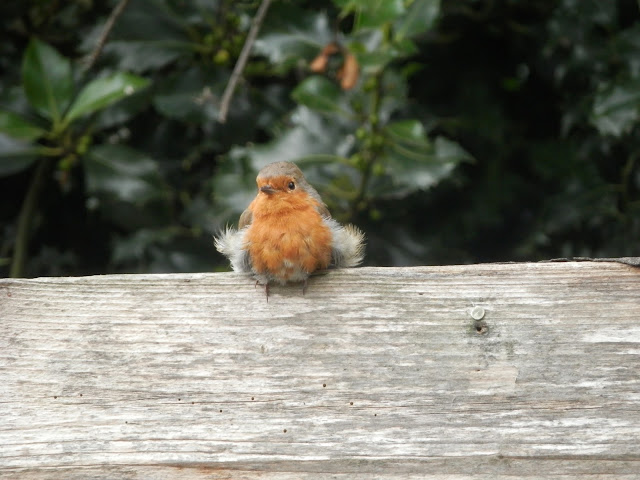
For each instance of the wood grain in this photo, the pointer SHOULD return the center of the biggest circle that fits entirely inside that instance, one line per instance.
(374, 373)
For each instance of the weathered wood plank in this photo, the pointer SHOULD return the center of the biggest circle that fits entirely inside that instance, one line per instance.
(374, 372)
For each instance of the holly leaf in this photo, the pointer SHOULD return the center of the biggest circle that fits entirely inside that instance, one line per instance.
(616, 109)
(47, 79)
(372, 13)
(104, 91)
(15, 155)
(290, 35)
(183, 95)
(414, 162)
(149, 35)
(123, 173)
(420, 17)
(318, 93)
(16, 126)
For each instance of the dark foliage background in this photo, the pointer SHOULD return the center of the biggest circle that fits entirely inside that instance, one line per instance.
(477, 130)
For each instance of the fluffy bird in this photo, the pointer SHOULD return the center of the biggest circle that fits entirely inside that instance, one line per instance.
(287, 232)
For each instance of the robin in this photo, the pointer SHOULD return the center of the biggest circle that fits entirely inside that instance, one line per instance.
(287, 233)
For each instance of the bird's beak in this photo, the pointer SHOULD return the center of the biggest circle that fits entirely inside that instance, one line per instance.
(268, 189)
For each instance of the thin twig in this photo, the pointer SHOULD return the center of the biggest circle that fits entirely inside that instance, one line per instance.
(369, 154)
(242, 60)
(111, 21)
(25, 220)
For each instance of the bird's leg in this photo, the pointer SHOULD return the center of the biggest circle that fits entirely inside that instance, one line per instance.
(266, 288)
(304, 285)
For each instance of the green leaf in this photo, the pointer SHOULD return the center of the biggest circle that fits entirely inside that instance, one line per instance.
(141, 56)
(372, 13)
(47, 79)
(104, 91)
(150, 34)
(379, 12)
(15, 155)
(183, 95)
(123, 173)
(233, 192)
(311, 134)
(135, 246)
(318, 93)
(409, 132)
(616, 109)
(375, 61)
(122, 111)
(374, 53)
(290, 35)
(413, 162)
(447, 151)
(420, 18)
(17, 127)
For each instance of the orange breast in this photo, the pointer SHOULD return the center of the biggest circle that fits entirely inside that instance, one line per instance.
(287, 238)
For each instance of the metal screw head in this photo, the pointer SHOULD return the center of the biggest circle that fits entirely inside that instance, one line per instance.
(477, 313)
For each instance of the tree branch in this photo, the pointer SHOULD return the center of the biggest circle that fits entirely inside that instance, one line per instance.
(242, 60)
(111, 21)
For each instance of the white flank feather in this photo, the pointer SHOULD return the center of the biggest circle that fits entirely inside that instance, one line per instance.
(231, 243)
(348, 245)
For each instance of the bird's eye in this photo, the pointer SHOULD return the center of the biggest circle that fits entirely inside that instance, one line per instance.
(292, 186)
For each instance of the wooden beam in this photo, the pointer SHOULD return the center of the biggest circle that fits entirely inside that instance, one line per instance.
(478, 371)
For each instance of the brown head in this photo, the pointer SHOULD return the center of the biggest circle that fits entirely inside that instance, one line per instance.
(284, 177)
